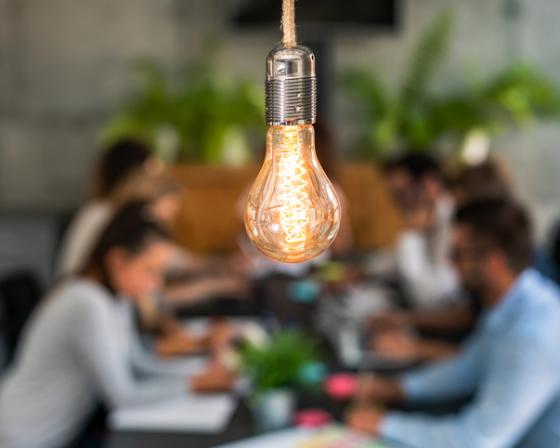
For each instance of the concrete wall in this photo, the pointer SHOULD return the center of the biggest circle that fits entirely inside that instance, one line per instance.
(65, 65)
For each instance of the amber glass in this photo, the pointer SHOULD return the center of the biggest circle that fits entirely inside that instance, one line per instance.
(292, 212)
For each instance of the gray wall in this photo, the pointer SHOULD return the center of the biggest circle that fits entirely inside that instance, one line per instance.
(65, 66)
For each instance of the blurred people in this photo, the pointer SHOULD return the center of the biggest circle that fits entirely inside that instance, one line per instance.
(417, 186)
(79, 348)
(126, 172)
(510, 365)
(155, 311)
(119, 163)
(484, 180)
(204, 278)
(392, 335)
(326, 153)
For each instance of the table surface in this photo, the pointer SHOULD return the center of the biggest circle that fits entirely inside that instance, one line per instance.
(241, 424)
(239, 427)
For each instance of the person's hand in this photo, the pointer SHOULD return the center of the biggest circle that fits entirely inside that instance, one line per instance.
(390, 320)
(221, 335)
(179, 343)
(216, 378)
(365, 419)
(239, 264)
(169, 325)
(230, 285)
(378, 388)
(420, 218)
(207, 288)
(397, 344)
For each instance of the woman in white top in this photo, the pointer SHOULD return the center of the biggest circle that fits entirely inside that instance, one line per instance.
(119, 165)
(126, 172)
(77, 349)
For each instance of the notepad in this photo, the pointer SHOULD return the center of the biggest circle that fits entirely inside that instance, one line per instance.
(193, 413)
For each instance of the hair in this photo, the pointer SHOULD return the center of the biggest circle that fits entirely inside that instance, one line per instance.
(118, 162)
(325, 150)
(501, 224)
(486, 180)
(556, 246)
(130, 229)
(417, 165)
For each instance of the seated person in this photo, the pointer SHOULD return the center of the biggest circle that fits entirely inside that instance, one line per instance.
(171, 337)
(119, 163)
(510, 364)
(393, 338)
(204, 278)
(416, 183)
(127, 172)
(78, 349)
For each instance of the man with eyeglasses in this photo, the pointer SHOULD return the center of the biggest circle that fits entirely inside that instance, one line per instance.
(510, 365)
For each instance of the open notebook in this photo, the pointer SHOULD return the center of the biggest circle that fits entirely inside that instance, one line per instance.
(190, 413)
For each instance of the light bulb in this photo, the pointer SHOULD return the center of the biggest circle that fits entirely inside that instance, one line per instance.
(292, 212)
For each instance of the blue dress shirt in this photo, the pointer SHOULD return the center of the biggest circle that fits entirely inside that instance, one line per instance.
(512, 366)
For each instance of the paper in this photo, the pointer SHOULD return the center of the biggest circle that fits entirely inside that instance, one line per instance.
(183, 367)
(193, 413)
(329, 437)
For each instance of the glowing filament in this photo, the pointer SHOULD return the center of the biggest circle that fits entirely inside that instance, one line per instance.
(292, 191)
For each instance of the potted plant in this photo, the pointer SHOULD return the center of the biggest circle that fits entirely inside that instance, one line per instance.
(276, 369)
(203, 118)
(417, 118)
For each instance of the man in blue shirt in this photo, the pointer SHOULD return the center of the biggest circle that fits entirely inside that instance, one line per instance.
(511, 364)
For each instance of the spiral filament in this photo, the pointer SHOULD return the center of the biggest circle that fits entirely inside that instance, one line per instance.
(292, 191)
(292, 211)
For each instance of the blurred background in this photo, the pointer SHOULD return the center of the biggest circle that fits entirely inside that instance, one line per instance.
(77, 74)
(460, 81)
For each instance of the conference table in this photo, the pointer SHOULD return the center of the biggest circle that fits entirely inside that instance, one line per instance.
(239, 427)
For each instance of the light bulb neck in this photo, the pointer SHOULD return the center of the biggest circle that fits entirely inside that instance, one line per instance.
(291, 86)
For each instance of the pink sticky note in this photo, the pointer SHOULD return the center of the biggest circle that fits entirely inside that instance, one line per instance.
(312, 418)
(341, 386)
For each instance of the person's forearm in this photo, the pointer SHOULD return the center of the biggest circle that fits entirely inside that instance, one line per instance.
(454, 318)
(431, 350)
(190, 292)
(381, 389)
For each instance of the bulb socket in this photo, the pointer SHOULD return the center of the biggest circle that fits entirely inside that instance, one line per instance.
(290, 86)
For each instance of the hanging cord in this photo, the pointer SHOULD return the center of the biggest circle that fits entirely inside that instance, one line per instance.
(289, 23)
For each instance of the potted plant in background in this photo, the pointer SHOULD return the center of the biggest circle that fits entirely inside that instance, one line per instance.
(416, 118)
(275, 369)
(203, 118)
(206, 124)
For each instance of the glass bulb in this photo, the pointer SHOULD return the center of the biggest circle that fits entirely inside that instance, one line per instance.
(292, 212)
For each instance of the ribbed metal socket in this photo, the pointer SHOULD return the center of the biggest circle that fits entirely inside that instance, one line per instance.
(291, 86)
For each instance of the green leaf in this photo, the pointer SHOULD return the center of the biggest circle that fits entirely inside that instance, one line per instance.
(426, 59)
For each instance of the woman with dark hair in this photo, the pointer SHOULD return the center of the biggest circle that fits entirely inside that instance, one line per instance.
(76, 352)
(119, 166)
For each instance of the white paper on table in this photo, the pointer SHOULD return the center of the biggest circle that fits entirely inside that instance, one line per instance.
(199, 326)
(289, 438)
(191, 413)
(328, 436)
(187, 366)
